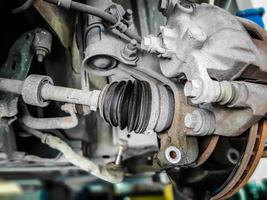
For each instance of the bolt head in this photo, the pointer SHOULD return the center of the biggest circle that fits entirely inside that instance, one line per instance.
(134, 42)
(190, 120)
(129, 11)
(193, 88)
(201, 121)
(194, 120)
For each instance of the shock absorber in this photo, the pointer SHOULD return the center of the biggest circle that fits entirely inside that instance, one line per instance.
(138, 106)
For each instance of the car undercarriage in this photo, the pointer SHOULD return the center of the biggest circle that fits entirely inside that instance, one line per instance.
(122, 88)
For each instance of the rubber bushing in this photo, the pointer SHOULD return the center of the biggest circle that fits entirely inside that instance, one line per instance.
(31, 91)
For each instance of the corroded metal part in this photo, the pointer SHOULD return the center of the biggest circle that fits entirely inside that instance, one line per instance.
(210, 145)
(196, 44)
(176, 134)
(251, 157)
(16, 67)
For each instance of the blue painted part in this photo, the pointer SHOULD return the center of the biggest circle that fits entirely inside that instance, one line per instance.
(253, 14)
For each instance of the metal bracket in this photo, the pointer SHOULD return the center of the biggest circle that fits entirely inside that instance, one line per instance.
(16, 67)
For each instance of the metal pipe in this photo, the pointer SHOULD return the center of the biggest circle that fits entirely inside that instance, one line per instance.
(47, 91)
(33, 132)
(84, 8)
(12, 86)
(50, 123)
(122, 145)
(93, 11)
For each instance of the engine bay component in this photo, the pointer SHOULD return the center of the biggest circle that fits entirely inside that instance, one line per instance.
(126, 104)
(184, 91)
(42, 44)
(38, 90)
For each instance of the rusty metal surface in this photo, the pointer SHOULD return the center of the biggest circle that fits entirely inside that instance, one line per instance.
(251, 157)
(254, 159)
(16, 66)
(176, 134)
(208, 150)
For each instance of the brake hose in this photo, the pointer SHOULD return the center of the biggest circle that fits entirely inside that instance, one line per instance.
(23, 7)
(69, 4)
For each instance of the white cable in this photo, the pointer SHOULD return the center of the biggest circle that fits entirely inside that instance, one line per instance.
(103, 172)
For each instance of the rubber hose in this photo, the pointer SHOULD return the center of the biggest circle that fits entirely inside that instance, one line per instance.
(23, 7)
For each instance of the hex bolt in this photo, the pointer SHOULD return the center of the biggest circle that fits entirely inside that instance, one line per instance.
(40, 53)
(201, 121)
(132, 45)
(193, 88)
(191, 120)
(129, 52)
(122, 145)
(42, 44)
(173, 154)
(128, 15)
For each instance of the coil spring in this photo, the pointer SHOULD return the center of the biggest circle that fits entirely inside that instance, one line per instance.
(127, 104)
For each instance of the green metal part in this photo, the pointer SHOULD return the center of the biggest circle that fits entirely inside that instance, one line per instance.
(16, 67)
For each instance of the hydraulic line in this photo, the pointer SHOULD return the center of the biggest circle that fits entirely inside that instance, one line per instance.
(50, 123)
(23, 7)
(69, 4)
(93, 11)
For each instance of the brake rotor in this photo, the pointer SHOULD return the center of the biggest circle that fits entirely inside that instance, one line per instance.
(251, 157)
